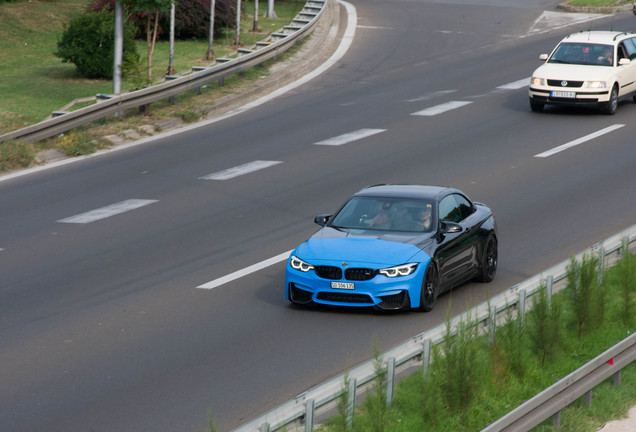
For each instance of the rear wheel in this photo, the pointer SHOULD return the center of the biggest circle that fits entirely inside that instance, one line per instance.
(489, 261)
(430, 288)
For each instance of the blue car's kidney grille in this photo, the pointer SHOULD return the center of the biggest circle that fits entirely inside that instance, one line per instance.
(360, 274)
(328, 272)
(345, 298)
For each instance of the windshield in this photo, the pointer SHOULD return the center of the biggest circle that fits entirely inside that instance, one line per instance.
(386, 214)
(582, 53)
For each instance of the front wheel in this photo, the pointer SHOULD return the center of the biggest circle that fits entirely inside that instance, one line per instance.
(610, 106)
(536, 106)
(430, 288)
(489, 261)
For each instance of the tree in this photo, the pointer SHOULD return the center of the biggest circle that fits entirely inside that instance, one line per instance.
(151, 10)
(87, 42)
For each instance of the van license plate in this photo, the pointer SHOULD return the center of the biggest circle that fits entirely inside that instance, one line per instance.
(563, 94)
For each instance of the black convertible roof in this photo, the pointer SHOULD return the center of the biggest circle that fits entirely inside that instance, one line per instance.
(405, 191)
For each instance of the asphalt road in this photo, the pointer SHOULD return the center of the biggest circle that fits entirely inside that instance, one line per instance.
(102, 326)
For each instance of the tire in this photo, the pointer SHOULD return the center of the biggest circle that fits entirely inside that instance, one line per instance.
(489, 261)
(610, 106)
(536, 106)
(430, 288)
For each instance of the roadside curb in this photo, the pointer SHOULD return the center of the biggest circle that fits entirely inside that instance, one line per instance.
(591, 9)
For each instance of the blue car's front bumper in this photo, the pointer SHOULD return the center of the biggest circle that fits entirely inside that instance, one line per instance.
(402, 292)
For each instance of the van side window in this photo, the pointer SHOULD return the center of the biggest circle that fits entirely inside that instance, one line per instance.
(630, 47)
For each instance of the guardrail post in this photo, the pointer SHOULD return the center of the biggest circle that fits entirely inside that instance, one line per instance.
(588, 398)
(521, 307)
(426, 359)
(390, 376)
(351, 403)
(310, 407)
(556, 419)
(617, 378)
(548, 289)
(264, 427)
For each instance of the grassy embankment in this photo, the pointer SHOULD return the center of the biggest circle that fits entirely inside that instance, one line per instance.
(35, 82)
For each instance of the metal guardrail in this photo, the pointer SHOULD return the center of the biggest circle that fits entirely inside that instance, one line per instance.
(107, 105)
(416, 351)
(552, 400)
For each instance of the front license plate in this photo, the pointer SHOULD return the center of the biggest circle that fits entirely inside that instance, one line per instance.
(563, 94)
(343, 285)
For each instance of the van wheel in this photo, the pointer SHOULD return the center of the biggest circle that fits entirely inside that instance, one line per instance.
(537, 106)
(610, 106)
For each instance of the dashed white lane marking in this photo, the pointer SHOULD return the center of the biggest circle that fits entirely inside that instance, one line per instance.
(515, 85)
(432, 95)
(579, 141)
(240, 170)
(246, 271)
(108, 211)
(439, 109)
(349, 137)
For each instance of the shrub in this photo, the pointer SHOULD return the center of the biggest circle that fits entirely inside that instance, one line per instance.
(459, 351)
(15, 154)
(76, 144)
(88, 42)
(191, 18)
(582, 284)
(627, 281)
(543, 329)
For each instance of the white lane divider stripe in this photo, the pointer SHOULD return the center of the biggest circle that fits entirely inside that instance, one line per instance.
(240, 170)
(246, 271)
(108, 211)
(442, 108)
(349, 137)
(576, 142)
(515, 85)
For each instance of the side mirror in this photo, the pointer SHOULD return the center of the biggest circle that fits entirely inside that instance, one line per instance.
(624, 61)
(451, 227)
(543, 57)
(322, 219)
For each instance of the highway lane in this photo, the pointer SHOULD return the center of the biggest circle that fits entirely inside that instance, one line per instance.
(102, 325)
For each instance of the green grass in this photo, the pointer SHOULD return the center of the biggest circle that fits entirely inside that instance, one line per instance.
(35, 82)
(422, 404)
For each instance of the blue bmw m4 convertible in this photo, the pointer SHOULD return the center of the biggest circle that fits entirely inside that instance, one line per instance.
(394, 247)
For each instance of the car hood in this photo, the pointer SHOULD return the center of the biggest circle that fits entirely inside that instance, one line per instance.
(573, 72)
(333, 246)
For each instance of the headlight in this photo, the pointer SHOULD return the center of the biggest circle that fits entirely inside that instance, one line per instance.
(298, 264)
(595, 84)
(537, 81)
(401, 270)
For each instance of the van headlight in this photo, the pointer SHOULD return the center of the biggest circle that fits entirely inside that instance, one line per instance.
(595, 84)
(537, 81)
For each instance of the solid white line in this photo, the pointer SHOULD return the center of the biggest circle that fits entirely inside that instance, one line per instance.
(246, 271)
(515, 85)
(439, 109)
(349, 137)
(108, 211)
(240, 170)
(579, 141)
